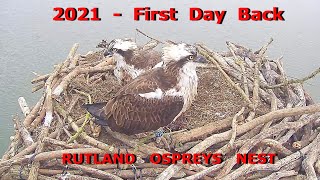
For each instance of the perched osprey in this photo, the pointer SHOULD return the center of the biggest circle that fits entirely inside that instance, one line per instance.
(156, 98)
(130, 60)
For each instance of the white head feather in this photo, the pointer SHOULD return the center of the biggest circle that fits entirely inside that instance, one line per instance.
(174, 52)
(123, 44)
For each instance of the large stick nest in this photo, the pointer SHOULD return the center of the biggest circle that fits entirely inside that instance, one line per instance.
(245, 104)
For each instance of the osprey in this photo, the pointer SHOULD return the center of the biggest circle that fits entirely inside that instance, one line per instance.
(154, 99)
(130, 60)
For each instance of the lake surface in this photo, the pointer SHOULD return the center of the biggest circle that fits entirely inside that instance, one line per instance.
(30, 41)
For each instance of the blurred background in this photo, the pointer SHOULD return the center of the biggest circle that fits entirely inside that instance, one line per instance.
(30, 41)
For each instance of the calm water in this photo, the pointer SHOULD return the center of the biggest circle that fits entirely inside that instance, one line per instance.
(31, 41)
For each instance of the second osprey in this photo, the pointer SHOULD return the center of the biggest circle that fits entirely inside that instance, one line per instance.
(131, 61)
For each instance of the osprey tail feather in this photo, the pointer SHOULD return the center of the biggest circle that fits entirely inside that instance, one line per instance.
(96, 110)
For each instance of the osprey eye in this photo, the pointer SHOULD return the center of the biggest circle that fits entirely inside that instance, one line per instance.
(191, 57)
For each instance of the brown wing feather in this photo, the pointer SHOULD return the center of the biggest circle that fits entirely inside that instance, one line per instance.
(146, 59)
(130, 113)
(149, 82)
(136, 114)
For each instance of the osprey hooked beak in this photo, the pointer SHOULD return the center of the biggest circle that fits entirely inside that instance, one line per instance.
(108, 53)
(201, 59)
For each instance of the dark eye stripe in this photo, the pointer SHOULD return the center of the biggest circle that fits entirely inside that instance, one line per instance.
(111, 44)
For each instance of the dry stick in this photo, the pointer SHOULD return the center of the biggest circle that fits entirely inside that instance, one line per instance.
(80, 70)
(141, 147)
(33, 174)
(75, 177)
(24, 133)
(74, 61)
(216, 138)
(37, 87)
(148, 36)
(89, 139)
(137, 165)
(284, 138)
(63, 126)
(57, 171)
(212, 57)
(276, 146)
(298, 90)
(20, 132)
(36, 74)
(233, 63)
(234, 127)
(256, 83)
(280, 174)
(146, 149)
(16, 173)
(250, 144)
(271, 75)
(227, 148)
(95, 172)
(3, 172)
(71, 55)
(245, 79)
(203, 131)
(73, 103)
(145, 172)
(87, 117)
(268, 124)
(15, 141)
(308, 162)
(258, 138)
(264, 48)
(203, 173)
(243, 70)
(300, 144)
(51, 141)
(274, 107)
(24, 152)
(24, 106)
(247, 169)
(40, 78)
(283, 75)
(309, 99)
(45, 156)
(292, 100)
(185, 147)
(251, 133)
(32, 115)
(32, 147)
(39, 118)
(317, 166)
(263, 94)
(294, 81)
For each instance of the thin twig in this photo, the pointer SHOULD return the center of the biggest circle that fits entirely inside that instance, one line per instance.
(294, 81)
(234, 126)
(149, 36)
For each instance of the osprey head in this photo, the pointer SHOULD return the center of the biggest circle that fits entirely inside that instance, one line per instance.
(182, 52)
(120, 45)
